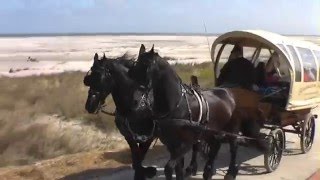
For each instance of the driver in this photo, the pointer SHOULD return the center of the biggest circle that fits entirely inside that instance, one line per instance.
(237, 71)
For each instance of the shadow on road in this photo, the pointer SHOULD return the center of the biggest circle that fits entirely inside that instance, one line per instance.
(95, 173)
(158, 156)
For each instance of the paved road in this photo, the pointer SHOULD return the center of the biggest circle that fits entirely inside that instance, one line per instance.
(294, 165)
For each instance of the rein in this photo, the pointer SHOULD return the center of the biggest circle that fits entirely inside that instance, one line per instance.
(107, 112)
(202, 128)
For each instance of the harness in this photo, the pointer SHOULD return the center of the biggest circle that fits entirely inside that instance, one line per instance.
(185, 89)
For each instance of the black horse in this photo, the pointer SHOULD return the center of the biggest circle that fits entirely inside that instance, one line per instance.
(176, 109)
(111, 76)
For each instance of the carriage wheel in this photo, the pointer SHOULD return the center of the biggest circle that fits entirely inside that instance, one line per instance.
(273, 155)
(205, 149)
(307, 134)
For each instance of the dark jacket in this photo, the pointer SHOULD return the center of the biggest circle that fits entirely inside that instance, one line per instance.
(238, 71)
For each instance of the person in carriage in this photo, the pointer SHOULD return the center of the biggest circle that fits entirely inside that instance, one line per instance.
(238, 71)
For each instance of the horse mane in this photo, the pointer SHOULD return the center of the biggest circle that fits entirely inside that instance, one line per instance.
(125, 59)
(163, 63)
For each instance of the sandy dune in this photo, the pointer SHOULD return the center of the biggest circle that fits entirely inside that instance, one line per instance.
(70, 53)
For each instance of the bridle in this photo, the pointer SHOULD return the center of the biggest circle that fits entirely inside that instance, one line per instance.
(99, 93)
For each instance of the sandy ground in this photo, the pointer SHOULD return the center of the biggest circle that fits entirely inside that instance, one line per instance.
(56, 54)
(70, 53)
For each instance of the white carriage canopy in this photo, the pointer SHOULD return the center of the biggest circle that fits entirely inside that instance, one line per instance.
(299, 61)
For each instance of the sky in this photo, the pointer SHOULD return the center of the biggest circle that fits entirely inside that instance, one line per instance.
(161, 16)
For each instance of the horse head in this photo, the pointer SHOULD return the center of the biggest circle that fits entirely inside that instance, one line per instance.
(112, 76)
(99, 81)
(155, 73)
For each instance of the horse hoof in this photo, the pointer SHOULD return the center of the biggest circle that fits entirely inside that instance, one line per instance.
(139, 176)
(214, 172)
(207, 175)
(228, 177)
(150, 172)
(191, 171)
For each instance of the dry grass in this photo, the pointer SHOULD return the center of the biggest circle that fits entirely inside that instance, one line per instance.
(44, 117)
(26, 135)
(204, 71)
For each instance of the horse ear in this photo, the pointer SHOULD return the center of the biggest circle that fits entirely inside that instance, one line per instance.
(104, 56)
(96, 57)
(142, 49)
(152, 49)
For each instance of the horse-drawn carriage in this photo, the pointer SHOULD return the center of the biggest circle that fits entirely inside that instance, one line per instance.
(152, 101)
(287, 85)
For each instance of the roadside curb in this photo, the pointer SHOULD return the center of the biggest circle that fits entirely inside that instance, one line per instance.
(315, 175)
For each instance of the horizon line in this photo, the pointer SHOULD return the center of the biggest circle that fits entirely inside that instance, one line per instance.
(42, 34)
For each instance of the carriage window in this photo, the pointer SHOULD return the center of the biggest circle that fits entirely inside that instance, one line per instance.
(317, 53)
(248, 52)
(309, 64)
(264, 55)
(216, 51)
(297, 63)
(283, 49)
(224, 57)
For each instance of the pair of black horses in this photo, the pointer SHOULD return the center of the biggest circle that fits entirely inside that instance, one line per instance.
(152, 101)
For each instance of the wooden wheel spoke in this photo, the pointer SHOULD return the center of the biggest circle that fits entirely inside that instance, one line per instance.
(307, 133)
(273, 157)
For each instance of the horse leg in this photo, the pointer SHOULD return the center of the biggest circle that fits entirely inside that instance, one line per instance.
(168, 168)
(179, 169)
(193, 167)
(233, 168)
(252, 129)
(209, 169)
(149, 172)
(176, 161)
(136, 160)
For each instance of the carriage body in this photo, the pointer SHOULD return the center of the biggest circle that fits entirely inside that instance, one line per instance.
(288, 103)
(297, 59)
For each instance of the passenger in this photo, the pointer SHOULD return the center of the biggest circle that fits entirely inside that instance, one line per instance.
(272, 78)
(271, 70)
(237, 71)
(308, 75)
(260, 74)
(273, 62)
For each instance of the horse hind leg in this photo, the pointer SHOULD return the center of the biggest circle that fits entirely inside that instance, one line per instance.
(252, 129)
(179, 169)
(168, 169)
(209, 169)
(193, 167)
(233, 168)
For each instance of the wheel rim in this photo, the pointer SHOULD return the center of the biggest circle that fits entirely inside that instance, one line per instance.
(309, 134)
(276, 150)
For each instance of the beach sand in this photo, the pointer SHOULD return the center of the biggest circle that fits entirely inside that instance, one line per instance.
(72, 53)
(57, 54)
